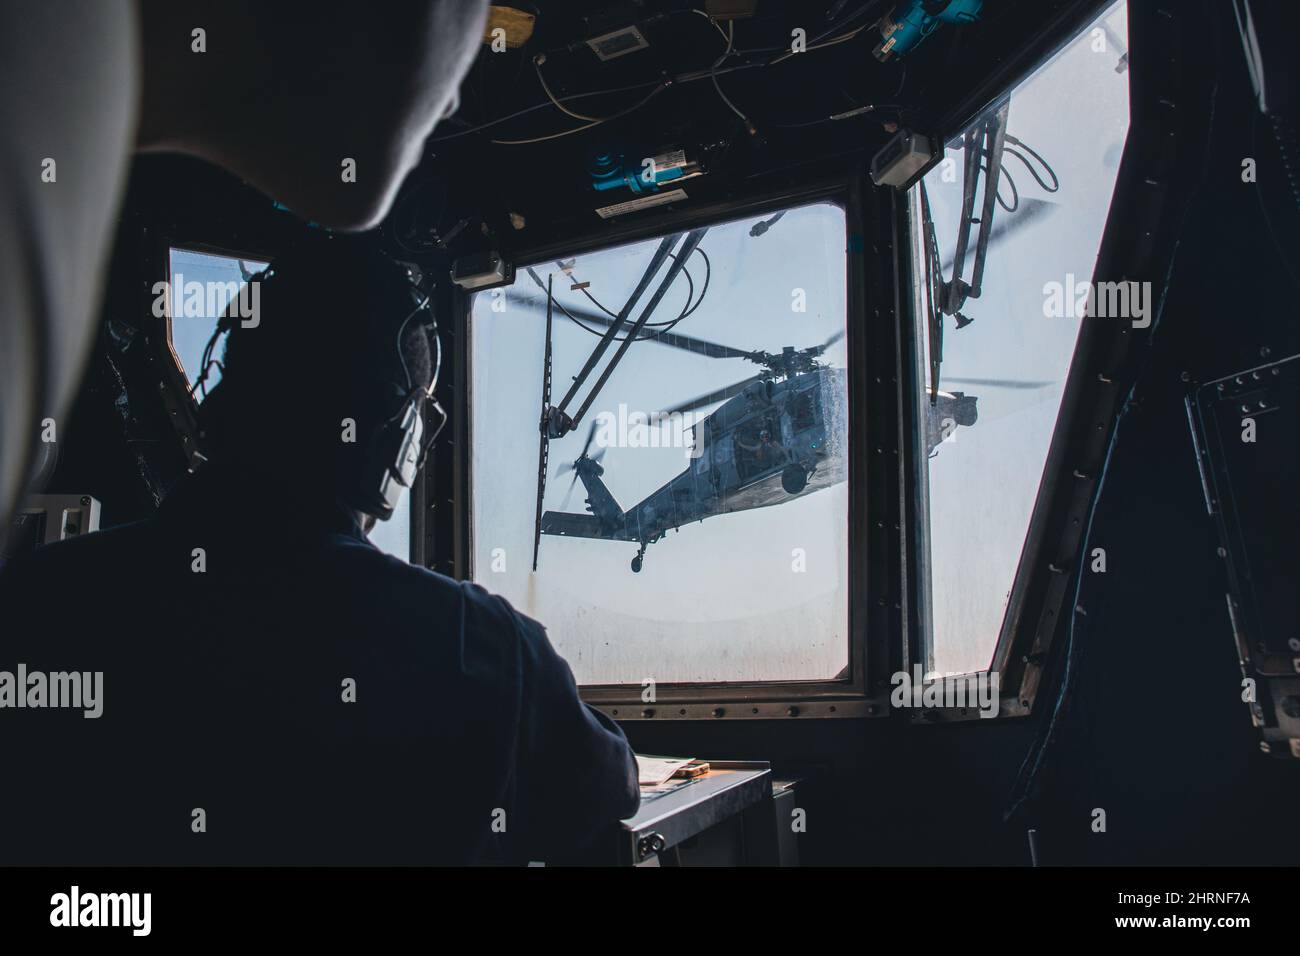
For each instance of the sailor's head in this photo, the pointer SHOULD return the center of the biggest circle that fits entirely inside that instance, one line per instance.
(340, 350)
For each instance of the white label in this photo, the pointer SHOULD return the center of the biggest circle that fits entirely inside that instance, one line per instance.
(669, 160)
(641, 202)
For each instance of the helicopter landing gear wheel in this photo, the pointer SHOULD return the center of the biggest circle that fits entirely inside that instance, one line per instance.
(638, 560)
(794, 479)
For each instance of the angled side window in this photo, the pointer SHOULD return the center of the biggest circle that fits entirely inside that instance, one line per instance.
(1004, 264)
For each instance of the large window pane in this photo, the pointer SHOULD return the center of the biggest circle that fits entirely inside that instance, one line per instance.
(1005, 358)
(749, 582)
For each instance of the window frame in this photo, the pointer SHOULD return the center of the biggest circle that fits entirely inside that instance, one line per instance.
(1136, 245)
(850, 695)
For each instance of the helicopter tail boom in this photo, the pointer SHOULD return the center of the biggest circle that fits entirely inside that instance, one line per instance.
(583, 526)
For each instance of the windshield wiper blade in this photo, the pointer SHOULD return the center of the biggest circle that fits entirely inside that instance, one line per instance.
(985, 141)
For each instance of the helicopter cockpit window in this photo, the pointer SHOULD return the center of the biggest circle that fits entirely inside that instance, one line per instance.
(803, 411)
(200, 287)
(690, 522)
(1004, 265)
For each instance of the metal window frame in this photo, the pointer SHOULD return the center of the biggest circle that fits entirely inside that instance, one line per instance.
(876, 576)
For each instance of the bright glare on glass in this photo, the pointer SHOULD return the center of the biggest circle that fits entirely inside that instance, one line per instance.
(752, 585)
(1003, 375)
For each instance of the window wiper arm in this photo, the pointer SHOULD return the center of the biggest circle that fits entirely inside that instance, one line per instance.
(986, 140)
(556, 421)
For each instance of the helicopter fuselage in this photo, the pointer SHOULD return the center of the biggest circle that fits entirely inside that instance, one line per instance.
(777, 440)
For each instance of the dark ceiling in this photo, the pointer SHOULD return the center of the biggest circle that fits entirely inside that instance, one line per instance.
(664, 97)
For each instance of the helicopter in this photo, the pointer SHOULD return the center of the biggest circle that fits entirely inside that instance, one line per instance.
(777, 435)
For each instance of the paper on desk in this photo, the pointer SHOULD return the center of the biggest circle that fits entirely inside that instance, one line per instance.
(652, 771)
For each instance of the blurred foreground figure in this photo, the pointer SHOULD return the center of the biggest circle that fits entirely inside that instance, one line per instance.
(281, 94)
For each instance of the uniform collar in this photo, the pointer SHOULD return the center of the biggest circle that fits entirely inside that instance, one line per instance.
(240, 499)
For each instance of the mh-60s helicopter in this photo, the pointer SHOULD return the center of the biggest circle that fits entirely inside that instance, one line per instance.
(779, 434)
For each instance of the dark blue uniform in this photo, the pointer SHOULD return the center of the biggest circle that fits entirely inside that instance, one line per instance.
(224, 691)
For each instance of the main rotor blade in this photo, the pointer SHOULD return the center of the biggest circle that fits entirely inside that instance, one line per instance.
(673, 339)
(819, 349)
(712, 398)
(995, 382)
(1007, 224)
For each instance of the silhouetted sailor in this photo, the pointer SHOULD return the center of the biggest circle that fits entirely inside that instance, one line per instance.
(274, 688)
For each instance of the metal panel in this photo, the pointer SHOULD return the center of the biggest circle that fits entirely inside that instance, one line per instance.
(1243, 426)
(729, 788)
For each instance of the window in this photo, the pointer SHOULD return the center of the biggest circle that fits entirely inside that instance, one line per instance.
(992, 368)
(394, 535)
(713, 460)
(202, 285)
